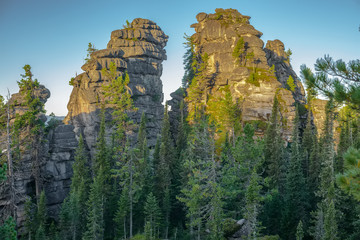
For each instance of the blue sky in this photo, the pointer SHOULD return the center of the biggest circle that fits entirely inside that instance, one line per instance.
(52, 35)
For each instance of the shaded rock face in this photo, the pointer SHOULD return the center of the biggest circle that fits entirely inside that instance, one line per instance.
(217, 35)
(56, 157)
(139, 50)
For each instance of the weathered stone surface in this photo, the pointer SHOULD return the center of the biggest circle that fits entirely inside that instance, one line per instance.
(56, 157)
(139, 50)
(217, 35)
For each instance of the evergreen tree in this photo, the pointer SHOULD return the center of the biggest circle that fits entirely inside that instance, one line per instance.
(274, 149)
(152, 214)
(74, 209)
(31, 122)
(325, 226)
(299, 231)
(8, 230)
(349, 180)
(202, 194)
(295, 191)
(165, 172)
(95, 217)
(335, 79)
(252, 207)
(121, 215)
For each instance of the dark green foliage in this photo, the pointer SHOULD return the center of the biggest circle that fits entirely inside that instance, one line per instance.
(31, 123)
(3, 170)
(152, 214)
(8, 230)
(91, 49)
(118, 94)
(239, 51)
(202, 193)
(296, 196)
(349, 180)
(95, 217)
(189, 62)
(300, 231)
(74, 209)
(41, 215)
(324, 221)
(274, 162)
(336, 79)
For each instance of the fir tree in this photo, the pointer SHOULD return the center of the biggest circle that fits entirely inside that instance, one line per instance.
(152, 214)
(95, 217)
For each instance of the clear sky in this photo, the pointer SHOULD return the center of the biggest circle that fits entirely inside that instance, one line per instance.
(52, 35)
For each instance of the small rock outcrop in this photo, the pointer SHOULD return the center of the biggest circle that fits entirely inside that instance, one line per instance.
(237, 58)
(138, 49)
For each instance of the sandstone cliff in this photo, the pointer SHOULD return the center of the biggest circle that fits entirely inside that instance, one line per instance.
(218, 35)
(137, 49)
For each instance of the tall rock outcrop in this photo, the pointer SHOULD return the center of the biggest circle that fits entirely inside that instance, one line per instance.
(56, 156)
(237, 57)
(138, 49)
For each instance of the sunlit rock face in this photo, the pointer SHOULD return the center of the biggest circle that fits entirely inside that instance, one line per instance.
(138, 49)
(217, 35)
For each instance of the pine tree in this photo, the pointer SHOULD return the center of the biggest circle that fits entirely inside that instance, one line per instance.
(349, 180)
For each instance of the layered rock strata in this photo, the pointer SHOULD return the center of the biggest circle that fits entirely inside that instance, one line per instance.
(55, 158)
(235, 53)
(138, 49)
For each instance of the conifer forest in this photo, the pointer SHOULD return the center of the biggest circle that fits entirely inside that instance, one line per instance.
(244, 150)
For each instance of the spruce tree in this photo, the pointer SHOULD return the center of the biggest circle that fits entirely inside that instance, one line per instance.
(252, 207)
(325, 226)
(152, 214)
(202, 194)
(273, 151)
(165, 172)
(31, 122)
(95, 203)
(295, 191)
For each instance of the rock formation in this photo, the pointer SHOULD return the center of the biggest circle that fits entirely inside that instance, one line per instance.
(218, 35)
(137, 49)
(56, 158)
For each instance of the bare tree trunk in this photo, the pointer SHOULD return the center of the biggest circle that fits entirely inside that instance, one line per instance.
(10, 162)
(131, 194)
